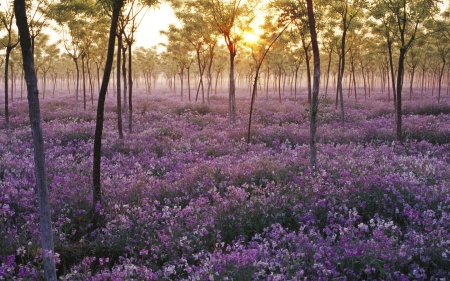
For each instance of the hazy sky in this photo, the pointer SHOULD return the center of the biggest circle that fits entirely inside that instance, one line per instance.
(155, 20)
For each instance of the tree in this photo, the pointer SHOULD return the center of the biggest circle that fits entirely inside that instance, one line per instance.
(147, 62)
(45, 222)
(38, 12)
(346, 11)
(76, 19)
(296, 11)
(258, 56)
(96, 194)
(9, 42)
(45, 56)
(409, 16)
(128, 33)
(440, 40)
(315, 96)
(232, 17)
(178, 50)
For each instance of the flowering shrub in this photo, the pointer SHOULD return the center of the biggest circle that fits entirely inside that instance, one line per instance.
(185, 197)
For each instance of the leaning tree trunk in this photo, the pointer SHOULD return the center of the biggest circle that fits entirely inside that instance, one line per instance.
(45, 221)
(97, 196)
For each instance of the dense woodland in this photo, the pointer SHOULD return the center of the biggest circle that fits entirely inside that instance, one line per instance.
(284, 140)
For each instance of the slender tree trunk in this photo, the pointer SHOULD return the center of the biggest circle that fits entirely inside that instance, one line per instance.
(267, 85)
(125, 85)
(130, 90)
(232, 95)
(279, 83)
(295, 83)
(308, 68)
(328, 72)
(45, 83)
(45, 221)
(401, 61)
(8, 53)
(118, 87)
(189, 84)
(78, 82)
(391, 64)
(341, 75)
(364, 81)
(441, 73)
(97, 197)
(315, 97)
(54, 84)
(353, 74)
(21, 85)
(84, 81)
(337, 86)
(411, 84)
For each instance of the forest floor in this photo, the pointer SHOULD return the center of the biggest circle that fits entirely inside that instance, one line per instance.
(186, 198)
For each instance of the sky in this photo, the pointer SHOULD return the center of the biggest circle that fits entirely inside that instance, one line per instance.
(155, 20)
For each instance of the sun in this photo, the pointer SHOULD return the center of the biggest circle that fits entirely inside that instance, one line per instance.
(250, 37)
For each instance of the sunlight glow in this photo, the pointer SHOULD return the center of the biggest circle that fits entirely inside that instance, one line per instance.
(250, 37)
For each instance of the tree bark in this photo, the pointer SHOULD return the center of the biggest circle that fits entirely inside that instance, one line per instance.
(118, 88)
(328, 72)
(232, 96)
(78, 83)
(97, 197)
(125, 84)
(130, 90)
(45, 222)
(315, 96)
(8, 53)
(401, 61)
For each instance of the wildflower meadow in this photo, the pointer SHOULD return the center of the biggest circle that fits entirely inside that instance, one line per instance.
(186, 198)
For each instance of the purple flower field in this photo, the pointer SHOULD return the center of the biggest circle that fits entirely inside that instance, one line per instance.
(185, 197)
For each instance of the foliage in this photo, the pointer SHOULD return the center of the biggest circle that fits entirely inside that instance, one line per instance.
(185, 198)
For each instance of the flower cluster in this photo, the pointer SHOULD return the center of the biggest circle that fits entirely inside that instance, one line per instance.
(185, 197)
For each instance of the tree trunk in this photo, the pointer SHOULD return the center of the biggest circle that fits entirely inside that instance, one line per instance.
(328, 72)
(411, 84)
(97, 197)
(353, 74)
(391, 64)
(315, 97)
(189, 84)
(118, 88)
(308, 68)
(130, 90)
(401, 61)
(125, 85)
(45, 222)
(337, 86)
(78, 82)
(232, 95)
(84, 80)
(441, 73)
(8, 53)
